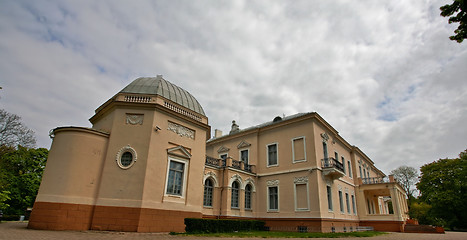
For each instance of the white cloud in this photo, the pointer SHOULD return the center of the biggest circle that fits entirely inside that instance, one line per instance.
(385, 75)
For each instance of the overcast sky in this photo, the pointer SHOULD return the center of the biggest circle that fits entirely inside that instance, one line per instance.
(383, 73)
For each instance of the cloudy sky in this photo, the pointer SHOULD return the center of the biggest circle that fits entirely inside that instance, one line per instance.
(383, 73)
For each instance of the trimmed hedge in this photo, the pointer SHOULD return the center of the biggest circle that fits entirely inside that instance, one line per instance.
(222, 225)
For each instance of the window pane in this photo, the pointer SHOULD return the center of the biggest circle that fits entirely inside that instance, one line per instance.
(273, 198)
(175, 178)
(126, 159)
(248, 196)
(347, 202)
(341, 203)
(208, 188)
(234, 198)
(328, 188)
(272, 154)
(244, 156)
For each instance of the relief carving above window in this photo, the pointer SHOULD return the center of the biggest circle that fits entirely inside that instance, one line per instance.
(181, 130)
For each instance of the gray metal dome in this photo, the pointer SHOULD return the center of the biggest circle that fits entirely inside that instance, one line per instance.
(160, 86)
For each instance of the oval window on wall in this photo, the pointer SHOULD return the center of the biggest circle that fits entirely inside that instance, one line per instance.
(126, 157)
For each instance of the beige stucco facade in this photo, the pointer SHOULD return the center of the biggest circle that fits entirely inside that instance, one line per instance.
(148, 162)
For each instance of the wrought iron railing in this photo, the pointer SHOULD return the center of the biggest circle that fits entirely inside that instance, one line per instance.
(332, 163)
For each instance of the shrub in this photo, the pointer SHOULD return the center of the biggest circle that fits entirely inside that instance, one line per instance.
(221, 225)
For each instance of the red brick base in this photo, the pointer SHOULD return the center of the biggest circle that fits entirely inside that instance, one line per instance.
(60, 216)
(65, 216)
(384, 226)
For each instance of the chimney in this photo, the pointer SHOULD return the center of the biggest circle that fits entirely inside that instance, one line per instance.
(217, 133)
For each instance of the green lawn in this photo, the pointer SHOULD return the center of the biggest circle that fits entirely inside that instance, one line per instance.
(266, 234)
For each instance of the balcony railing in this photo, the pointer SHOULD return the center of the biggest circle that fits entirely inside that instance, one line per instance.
(229, 162)
(332, 163)
(375, 180)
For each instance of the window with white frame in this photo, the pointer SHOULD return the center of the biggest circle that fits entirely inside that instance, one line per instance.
(235, 195)
(298, 149)
(248, 196)
(350, 168)
(244, 156)
(175, 177)
(329, 194)
(273, 198)
(208, 190)
(272, 154)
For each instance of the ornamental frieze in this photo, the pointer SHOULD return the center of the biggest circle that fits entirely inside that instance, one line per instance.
(181, 130)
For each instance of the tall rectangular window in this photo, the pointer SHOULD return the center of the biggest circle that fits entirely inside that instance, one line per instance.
(234, 195)
(175, 178)
(341, 202)
(248, 196)
(325, 150)
(208, 187)
(272, 154)
(298, 149)
(273, 193)
(244, 156)
(343, 163)
(347, 202)
(329, 193)
(353, 205)
(301, 196)
(336, 156)
(350, 168)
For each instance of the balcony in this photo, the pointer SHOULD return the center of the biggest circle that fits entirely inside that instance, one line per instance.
(229, 162)
(332, 168)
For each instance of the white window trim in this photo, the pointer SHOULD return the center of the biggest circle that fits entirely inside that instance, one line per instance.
(240, 154)
(121, 152)
(340, 194)
(278, 199)
(185, 175)
(307, 198)
(349, 168)
(293, 149)
(277, 154)
(220, 155)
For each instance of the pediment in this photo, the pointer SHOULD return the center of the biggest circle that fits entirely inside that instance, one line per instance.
(243, 144)
(223, 149)
(179, 151)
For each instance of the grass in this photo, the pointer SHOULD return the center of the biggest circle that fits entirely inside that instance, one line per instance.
(266, 234)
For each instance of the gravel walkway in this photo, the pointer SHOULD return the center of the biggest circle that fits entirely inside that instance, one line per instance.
(18, 230)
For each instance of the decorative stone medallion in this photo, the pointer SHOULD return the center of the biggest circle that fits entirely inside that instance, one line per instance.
(134, 119)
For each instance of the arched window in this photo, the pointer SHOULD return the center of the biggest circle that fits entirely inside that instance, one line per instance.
(248, 196)
(234, 199)
(208, 187)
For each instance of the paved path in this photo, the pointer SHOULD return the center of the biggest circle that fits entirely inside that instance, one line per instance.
(18, 230)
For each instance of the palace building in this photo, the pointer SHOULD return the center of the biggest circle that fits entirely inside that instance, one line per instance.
(149, 162)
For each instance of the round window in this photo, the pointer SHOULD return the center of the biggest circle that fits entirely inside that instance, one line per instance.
(126, 157)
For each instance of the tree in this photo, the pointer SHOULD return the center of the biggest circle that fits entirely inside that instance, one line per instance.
(407, 177)
(443, 185)
(13, 132)
(21, 171)
(458, 7)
